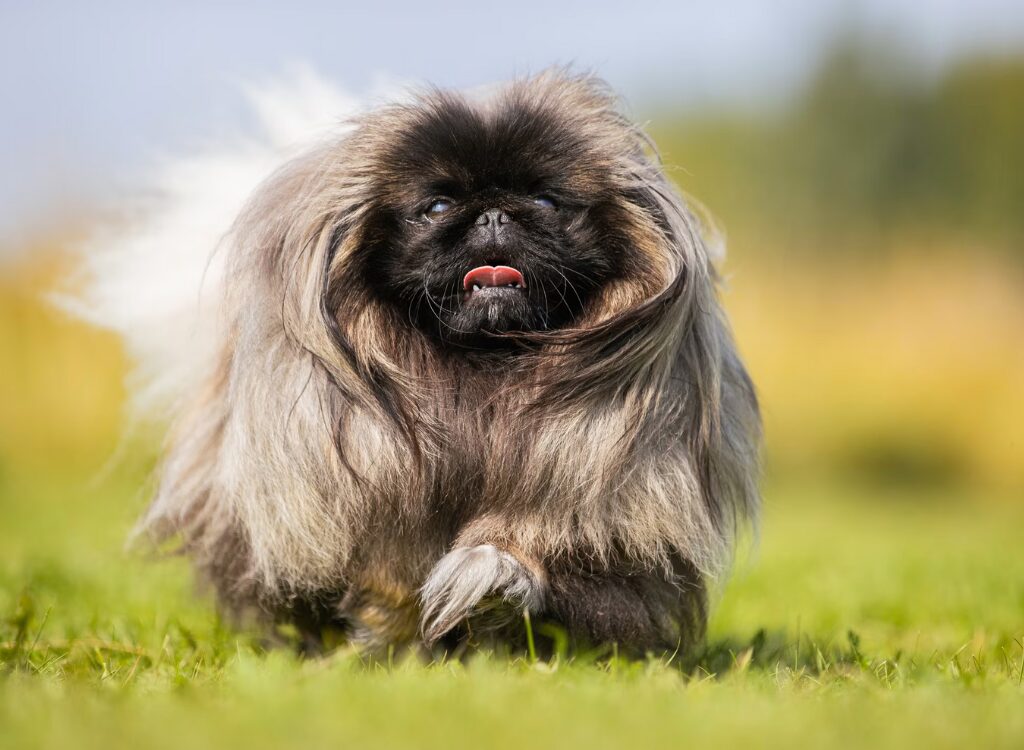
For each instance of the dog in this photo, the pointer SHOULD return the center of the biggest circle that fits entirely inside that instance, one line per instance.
(468, 361)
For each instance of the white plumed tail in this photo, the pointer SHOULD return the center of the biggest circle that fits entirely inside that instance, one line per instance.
(155, 277)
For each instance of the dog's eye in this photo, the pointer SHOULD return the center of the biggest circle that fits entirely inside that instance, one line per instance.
(544, 201)
(438, 207)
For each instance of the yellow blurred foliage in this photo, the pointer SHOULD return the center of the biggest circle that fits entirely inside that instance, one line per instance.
(903, 367)
(62, 380)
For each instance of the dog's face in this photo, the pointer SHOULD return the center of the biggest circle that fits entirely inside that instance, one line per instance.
(489, 221)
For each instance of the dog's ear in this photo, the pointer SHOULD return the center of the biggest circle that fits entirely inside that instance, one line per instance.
(300, 246)
(638, 323)
(721, 407)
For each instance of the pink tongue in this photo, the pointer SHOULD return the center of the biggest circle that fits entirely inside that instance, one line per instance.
(493, 276)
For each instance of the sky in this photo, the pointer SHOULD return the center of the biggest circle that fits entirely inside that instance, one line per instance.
(92, 91)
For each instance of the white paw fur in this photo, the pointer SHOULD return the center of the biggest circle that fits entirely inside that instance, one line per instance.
(467, 575)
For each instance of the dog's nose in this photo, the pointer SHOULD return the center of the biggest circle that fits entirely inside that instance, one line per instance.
(493, 217)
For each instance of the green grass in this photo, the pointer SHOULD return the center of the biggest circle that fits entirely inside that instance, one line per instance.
(887, 619)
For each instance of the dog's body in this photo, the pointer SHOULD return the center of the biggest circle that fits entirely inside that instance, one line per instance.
(415, 465)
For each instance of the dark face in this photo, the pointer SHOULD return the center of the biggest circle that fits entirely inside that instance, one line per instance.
(491, 223)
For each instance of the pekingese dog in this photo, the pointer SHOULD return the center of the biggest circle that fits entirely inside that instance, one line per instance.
(471, 363)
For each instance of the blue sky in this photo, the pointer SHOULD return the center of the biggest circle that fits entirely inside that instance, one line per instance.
(91, 90)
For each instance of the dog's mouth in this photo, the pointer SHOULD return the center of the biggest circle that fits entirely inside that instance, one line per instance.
(488, 281)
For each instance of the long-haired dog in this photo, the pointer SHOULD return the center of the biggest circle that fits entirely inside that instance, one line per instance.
(468, 360)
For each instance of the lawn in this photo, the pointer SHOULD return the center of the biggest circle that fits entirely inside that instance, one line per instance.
(864, 617)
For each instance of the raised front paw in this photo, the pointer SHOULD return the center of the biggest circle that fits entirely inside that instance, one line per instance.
(470, 580)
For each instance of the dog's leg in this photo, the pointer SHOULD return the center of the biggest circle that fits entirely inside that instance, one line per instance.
(641, 612)
(490, 584)
(379, 613)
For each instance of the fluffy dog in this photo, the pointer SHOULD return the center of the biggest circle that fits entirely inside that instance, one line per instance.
(469, 361)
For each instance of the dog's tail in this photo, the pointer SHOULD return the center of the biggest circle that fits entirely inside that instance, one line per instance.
(154, 276)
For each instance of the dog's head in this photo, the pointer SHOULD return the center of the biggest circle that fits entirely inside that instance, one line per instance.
(525, 212)
(491, 220)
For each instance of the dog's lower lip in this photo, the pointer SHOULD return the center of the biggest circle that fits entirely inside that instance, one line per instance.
(491, 292)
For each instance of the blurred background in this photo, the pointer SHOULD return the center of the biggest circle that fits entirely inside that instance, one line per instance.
(865, 160)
